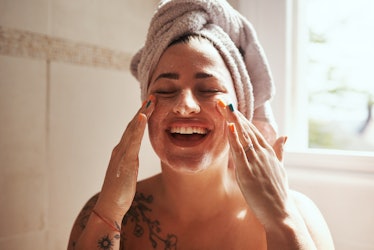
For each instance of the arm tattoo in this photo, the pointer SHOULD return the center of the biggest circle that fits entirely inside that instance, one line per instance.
(138, 216)
(106, 243)
(86, 211)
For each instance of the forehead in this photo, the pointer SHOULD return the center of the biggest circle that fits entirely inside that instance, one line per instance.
(197, 54)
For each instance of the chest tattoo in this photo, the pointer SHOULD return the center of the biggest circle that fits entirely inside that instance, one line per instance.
(139, 218)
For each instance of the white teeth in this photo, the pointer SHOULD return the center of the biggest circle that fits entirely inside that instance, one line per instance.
(188, 130)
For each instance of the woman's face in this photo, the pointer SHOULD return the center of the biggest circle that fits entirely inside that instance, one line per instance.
(186, 130)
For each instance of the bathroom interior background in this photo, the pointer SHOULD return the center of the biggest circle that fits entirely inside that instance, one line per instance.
(66, 95)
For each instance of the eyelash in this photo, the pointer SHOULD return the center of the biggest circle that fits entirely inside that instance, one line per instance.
(203, 91)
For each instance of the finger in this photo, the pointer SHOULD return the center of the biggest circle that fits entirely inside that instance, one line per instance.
(267, 130)
(237, 151)
(259, 136)
(279, 147)
(127, 150)
(129, 160)
(246, 136)
(147, 108)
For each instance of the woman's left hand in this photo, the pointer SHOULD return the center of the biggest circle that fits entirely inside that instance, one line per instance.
(259, 168)
(263, 182)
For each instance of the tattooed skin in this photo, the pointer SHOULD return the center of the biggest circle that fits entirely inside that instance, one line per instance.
(138, 217)
(105, 243)
(86, 211)
(85, 214)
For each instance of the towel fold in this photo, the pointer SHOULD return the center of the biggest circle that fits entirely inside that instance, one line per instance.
(232, 34)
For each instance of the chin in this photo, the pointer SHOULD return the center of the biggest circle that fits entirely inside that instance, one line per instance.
(188, 166)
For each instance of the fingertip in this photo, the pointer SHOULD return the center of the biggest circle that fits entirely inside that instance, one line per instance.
(232, 127)
(151, 99)
(221, 107)
(142, 117)
(221, 103)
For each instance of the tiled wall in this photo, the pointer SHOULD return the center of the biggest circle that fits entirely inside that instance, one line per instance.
(66, 95)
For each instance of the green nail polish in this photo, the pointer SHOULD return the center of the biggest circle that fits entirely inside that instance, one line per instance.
(231, 107)
(148, 103)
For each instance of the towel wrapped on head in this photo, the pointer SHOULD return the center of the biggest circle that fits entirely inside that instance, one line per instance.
(232, 35)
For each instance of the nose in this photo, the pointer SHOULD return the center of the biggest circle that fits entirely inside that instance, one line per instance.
(186, 104)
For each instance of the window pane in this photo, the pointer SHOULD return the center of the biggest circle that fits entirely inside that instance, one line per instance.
(339, 73)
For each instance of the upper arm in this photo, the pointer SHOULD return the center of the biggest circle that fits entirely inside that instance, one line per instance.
(314, 221)
(81, 221)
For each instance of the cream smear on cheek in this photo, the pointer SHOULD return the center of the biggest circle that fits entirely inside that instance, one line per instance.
(185, 60)
(189, 159)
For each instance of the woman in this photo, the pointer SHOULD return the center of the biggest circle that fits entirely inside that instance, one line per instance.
(222, 184)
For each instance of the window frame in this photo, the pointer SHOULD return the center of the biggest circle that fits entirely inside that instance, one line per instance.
(284, 27)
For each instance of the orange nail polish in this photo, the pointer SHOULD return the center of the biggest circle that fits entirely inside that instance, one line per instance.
(151, 98)
(140, 117)
(232, 127)
(221, 103)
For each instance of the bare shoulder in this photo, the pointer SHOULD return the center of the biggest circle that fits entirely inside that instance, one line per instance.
(149, 183)
(81, 220)
(314, 220)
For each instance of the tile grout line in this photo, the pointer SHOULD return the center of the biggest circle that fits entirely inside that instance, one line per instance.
(21, 43)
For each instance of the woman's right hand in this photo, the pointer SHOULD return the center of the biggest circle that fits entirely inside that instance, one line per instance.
(119, 186)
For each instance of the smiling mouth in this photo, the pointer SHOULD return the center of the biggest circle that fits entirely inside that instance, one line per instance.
(188, 135)
(189, 130)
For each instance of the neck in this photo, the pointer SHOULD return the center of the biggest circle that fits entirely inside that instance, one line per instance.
(198, 195)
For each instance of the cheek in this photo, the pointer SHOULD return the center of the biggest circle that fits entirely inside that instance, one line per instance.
(155, 125)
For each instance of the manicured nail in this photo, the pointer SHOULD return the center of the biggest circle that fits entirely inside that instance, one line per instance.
(140, 117)
(221, 103)
(151, 98)
(143, 104)
(231, 107)
(232, 127)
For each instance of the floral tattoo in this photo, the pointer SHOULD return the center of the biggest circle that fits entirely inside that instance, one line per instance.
(138, 216)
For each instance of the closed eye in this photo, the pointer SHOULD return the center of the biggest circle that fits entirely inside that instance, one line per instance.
(165, 92)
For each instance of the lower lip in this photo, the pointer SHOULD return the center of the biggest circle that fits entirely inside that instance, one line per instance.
(187, 140)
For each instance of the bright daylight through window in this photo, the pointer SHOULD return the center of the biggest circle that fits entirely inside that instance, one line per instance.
(338, 70)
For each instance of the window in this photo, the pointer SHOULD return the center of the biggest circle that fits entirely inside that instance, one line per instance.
(320, 53)
(336, 66)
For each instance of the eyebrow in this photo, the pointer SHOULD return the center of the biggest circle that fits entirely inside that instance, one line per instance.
(175, 76)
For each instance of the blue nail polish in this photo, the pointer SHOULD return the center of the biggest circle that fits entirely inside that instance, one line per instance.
(231, 107)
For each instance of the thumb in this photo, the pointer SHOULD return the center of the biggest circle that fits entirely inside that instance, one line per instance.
(278, 147)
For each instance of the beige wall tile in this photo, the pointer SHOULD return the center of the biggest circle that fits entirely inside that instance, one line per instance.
(22, 145)
(22, 113)
(25, 14)
(28, 241)
(90, 108)
(117, 24)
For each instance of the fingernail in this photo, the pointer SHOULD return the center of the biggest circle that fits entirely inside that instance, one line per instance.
(221, 103)
(140, 117)
(143, 104)
(285, 139)
(232, 127)
(151, 98)
(231, 107)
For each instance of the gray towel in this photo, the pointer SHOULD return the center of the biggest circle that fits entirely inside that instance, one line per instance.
(232, 35)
